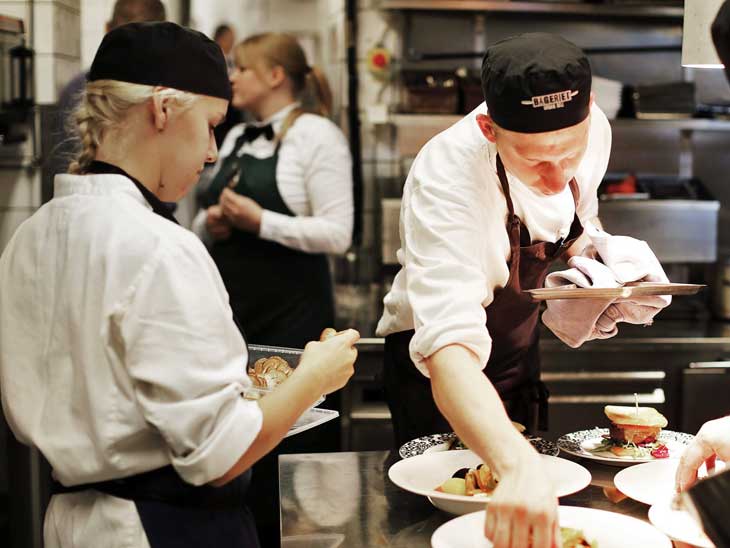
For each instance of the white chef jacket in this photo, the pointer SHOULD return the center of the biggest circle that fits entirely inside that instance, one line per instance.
(314, 178)
(118, 353)
(454, 244)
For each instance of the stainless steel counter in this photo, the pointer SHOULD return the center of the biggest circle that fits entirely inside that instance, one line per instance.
(331, 500)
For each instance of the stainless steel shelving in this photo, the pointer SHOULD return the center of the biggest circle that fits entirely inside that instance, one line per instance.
(546, 8)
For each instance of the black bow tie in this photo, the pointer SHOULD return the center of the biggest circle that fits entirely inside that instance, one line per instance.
(251, 133)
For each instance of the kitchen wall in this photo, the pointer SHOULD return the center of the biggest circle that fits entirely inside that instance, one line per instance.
(53, 30)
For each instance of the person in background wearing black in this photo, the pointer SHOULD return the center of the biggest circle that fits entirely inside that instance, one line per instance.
(64, 141)
(226, 39)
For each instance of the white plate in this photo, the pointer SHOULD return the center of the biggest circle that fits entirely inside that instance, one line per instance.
(653, 482)
(607, 529)
(434, 443)
(580, 443)
(678, 525)
(423, 473)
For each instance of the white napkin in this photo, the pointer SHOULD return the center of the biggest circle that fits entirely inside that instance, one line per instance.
(625, 259)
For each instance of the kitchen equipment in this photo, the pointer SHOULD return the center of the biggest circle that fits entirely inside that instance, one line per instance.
(430, 92)
(664, 101)
(16, 81)
(705, 389)
(721, 296)
(631, 289)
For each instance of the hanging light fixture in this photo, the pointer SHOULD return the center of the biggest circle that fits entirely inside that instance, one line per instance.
(698, 51)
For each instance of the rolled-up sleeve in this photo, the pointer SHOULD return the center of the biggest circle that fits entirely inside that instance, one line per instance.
(187, 362)
(446, 281)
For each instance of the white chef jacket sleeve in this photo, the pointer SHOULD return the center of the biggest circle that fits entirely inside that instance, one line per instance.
(187, 361)
(328, 184)
(446, 281)
(594, 164)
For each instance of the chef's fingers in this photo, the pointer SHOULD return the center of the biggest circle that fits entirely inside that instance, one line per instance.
(503, 528)
(557, 540)
(690, 462)
(349, 336)
(489, 523)
(520, 528)
(327, 333)
(542, 531)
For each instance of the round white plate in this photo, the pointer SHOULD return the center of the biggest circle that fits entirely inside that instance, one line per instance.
(653, 482)
(678, 525)
(423, 473)
(607, 529)
(442, 442)
(580, 444)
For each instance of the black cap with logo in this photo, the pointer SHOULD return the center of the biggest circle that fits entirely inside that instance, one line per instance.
(536, 82)
(162, 54)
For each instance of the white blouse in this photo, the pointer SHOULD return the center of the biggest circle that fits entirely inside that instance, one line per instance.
(118, 352)
(454, 244)
(314, 178)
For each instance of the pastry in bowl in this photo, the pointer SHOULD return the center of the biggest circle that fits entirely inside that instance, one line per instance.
(269, 372)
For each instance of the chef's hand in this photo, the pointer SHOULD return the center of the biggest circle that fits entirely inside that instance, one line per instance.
(712, 441)
(241, 211)
(523, 507)
(216, 224)
(331, 362)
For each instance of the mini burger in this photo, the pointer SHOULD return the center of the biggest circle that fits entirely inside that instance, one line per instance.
(634, 424)
(634, 432)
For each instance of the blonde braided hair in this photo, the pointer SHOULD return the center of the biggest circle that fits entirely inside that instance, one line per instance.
(103, 108)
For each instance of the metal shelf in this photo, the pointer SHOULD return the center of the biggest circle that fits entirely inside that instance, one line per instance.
(546, 8)
(681, 124)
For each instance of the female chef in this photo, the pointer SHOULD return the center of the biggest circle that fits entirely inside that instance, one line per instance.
(488, 205)
(281, 199)
(119, 357)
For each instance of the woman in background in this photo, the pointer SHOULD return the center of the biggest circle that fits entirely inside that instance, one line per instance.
(279, 202)
(281, 195)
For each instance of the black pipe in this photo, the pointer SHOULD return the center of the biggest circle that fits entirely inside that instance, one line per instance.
(353, 117)
(414, 55)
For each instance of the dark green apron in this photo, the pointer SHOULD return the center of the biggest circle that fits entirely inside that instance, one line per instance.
(280, 296)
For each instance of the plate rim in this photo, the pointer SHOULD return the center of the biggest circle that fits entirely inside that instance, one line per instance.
(478, 500)
(569, 509)
(530, 438)
(654, 508)
(563, 446)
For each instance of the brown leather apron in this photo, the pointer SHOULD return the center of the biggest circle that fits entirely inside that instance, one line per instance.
(512, 321)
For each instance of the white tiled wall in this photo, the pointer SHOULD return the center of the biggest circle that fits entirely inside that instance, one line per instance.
(52, 28)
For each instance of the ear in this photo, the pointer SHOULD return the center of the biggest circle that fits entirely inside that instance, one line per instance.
(487, 127)
(160, 111)
(593, 97)
(276, 76)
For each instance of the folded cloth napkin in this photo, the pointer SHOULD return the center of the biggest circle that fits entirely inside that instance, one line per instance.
(625, 259)
(576, 321)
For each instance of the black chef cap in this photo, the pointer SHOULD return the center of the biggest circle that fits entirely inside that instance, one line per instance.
(536, 82)
(162, 54)
(721, 36)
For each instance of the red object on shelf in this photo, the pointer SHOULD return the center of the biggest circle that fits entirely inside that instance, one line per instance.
(626, 186)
